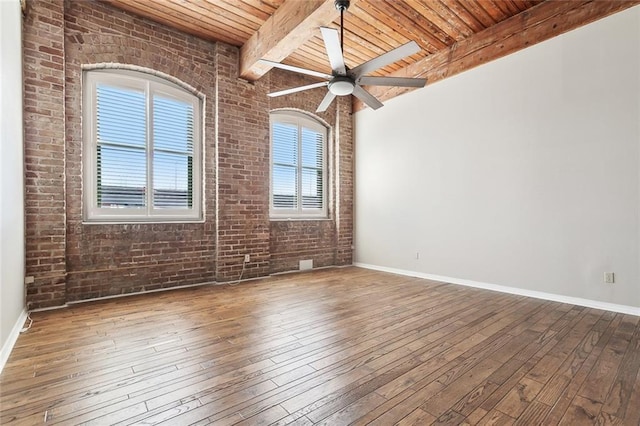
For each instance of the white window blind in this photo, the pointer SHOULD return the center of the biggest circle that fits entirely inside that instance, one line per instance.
(298, 166)
(121, 163)
(312, 169)
(285, 165)
(172, 153)
(142, 145)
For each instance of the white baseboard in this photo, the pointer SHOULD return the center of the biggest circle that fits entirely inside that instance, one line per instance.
(11, 340)
(302, 271)
(613, 307)
(118, 296)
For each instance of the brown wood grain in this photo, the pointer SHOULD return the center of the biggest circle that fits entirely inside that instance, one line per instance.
(539, 23)
(313, 349)
(287, 30)
(519, 397)
(290, 26)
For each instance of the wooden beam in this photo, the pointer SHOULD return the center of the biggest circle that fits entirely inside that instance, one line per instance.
(290, 26)
(542, 22)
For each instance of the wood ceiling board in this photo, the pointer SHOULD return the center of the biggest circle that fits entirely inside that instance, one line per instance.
(459, 9)
(363, 40)
(230, 21)
(480, 13)
(378, 34)
(268, 6)
(542, 22)
(217, 19)
(190, 22)
(170, 18)
(312, 57)
(242, 10)
(358, 49)
(223, 16)
(443, 28)
(420, 23)
(315, 49)
(355, 38)
(443, 17)
(504, 6)
(382, 12)
(518, 4)
(534, 2)
(509, 7)
(290, 26)
(521, 5)
(314, 52)
(493, 10)
(303, 61)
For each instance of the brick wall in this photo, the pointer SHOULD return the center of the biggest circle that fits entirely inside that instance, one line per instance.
(44, 85)
(122, 258)
(71, 260)
(345, 160)
(243, 170)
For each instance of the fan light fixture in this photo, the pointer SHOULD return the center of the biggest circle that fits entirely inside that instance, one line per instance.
(341, 86)
(344, 81)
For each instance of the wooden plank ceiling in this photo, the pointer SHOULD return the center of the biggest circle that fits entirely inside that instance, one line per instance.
(454, 35)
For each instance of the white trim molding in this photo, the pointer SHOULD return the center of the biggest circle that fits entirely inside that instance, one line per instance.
(613, 307)
(126, 164)
(12, 339)
(283, 157)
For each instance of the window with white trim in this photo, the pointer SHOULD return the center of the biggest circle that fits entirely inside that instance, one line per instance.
(298, 166)
(142, 148)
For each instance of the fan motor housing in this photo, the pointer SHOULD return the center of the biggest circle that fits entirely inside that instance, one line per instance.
(342, 5)
(341, 86)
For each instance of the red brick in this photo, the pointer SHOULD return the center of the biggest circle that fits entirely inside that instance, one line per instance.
(73, 261)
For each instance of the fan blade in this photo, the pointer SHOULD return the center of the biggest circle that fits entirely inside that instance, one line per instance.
(390, 57)
(298, 89)
(392, 81)
(296, 69)
(366, 97)
(329, 97)
(334, 51)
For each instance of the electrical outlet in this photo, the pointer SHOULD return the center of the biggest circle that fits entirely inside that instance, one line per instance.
(29, 280)
(417, 255)
(609, 278)
(247, 258)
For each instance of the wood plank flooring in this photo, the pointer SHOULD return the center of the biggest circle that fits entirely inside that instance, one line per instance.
(329, 347)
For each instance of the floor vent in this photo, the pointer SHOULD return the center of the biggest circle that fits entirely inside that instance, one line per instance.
(306, 264)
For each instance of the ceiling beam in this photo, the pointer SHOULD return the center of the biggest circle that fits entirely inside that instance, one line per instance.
(539, 23)
(290, 26)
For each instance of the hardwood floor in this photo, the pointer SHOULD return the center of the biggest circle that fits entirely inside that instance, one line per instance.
(328, 347)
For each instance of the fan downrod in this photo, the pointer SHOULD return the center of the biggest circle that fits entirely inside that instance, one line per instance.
(342, 5)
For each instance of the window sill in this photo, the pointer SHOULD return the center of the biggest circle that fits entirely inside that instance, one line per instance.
(141, 222)
(299, 219)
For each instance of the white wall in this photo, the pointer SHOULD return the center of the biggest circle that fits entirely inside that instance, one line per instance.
(12, 261)
(524, 172)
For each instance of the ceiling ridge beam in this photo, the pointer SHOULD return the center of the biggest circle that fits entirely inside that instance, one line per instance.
(290, 26)
(539, 23)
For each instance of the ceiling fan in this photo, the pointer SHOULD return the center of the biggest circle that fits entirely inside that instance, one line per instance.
(344, 81)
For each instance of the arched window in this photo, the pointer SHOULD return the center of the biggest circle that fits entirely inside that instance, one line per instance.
(142, 148)
(298, 166)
